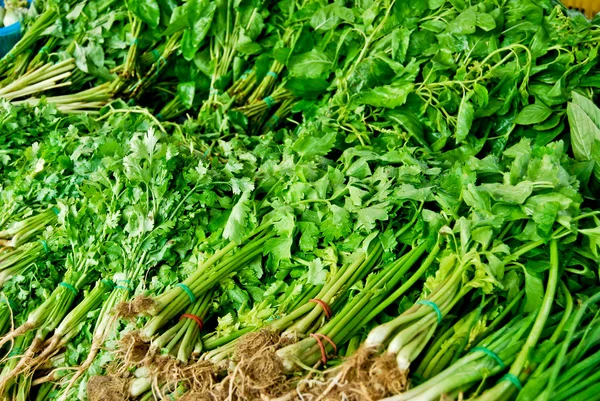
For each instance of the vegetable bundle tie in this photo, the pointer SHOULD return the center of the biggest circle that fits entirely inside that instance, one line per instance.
(323, 304)
(195, 318)
(318, 338)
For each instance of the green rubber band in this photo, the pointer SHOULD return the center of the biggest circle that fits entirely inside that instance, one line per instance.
(10, 56)
(513, 379)
(491, 354)
(134, 42)
(214, 90)
(187, 290)
(122, 287)
(44, 49)
(108, 283)
(273, 120)
(159, 116)
(56, 211)
(156, 54)
(158, 65)
(269, 101)
(68, 287)
(15, 351)
(433, 306)
(272, 74)
(245, 74)
(45, 245)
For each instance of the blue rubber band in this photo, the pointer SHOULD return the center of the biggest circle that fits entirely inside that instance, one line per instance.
(45, 245)
(156, 54)
(491, 354)
(108, 283)
(513, 379)
(187, 290)
(68, 287)
(433, 306)
(56, 211)
(15, 351)
(272, 74)
(269, 101)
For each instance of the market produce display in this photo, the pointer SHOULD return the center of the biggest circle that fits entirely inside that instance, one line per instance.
(300, 200)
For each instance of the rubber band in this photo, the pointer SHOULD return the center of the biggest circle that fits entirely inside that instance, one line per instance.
(156, 54)
(55, 210)
(269, 101)
(108, 283)
(491, 354)
(45, 245)
(214, 91)
(134, 42)
(159, 116)
(245, 74)
(187, 290)
(323, 305)
(158, 65)
(68, 287)
(273, 120)
(434, 306)
(272, 74)
(195, 318)
(513, 379)
(44, 49)
(15, 351)
(123, 287)
(11, 56)
(318, 337)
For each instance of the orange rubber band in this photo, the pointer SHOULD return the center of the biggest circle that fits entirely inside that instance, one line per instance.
(194, 318)
(325, 307)
(318, 337)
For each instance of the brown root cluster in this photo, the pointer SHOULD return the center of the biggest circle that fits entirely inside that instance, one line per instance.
(140, 305)
(257, 373)
(365, 376)
(107, 388)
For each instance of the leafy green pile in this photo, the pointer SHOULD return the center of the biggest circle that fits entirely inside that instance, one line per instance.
(365, 200)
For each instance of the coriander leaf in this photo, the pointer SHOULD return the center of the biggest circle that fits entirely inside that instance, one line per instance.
(316, 272)
(234, 228)
(309, 146)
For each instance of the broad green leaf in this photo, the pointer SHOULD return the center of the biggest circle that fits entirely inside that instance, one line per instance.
(146, 10)
(464, 119)
(312, 64)
(185, 92)
(485, 22)
(200, 17)
(533, 114)
(388, 96)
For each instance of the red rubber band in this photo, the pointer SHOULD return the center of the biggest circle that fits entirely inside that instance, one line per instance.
(318, 337)
(325, 307)
(194, 318)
